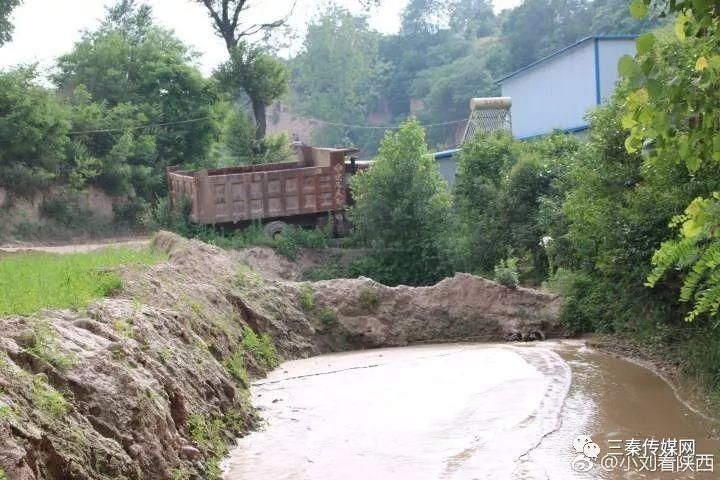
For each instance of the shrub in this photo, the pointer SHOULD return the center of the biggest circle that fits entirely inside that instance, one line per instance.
(48, 399)
(505, 273)
(260, 347)
(369, 299)
(43, 343)
(306, 297)
(235, 365)
(327, 316)
(402, 210)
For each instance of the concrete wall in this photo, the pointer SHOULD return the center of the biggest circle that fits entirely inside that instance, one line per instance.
(609, 52)
(448, 169)
(553, 94)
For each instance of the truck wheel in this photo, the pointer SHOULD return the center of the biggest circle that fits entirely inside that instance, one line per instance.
(273, 229)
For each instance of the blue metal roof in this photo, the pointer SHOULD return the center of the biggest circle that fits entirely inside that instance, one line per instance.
(561, 51)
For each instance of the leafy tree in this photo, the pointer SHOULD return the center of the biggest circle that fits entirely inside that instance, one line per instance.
(671, 113)
(472, 18)
(260, 75)
(6, 28)
(128, 74)
(265, 79)
(338, 73)
(33, 128)
(403, 211)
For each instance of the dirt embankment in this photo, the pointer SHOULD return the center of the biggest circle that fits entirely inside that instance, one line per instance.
(152, 384)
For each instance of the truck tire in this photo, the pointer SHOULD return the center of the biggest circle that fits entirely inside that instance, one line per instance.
(273, 229)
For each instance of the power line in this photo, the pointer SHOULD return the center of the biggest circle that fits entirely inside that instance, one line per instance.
(378, 127)
(310, 119)
(140, 127)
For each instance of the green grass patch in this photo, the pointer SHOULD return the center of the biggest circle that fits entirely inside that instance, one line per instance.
(327, 316)
(261, 347)
(32, 281)
(48, 399)
(235, 365)
(306, 296)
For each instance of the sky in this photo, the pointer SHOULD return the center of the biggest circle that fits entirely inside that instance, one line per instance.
(45, 29)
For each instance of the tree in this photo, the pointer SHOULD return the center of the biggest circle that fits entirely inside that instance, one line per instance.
(127, 74)
(402, 210)
(33, 128)
(338, 73)
(226, 16)
(260, 75)
(6, 28)
(672, 113)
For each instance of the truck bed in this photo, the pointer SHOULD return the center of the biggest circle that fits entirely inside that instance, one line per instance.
(315, 184)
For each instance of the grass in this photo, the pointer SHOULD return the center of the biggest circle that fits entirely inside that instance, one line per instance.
(48, 399)
(327, 316)
(235, 366)
(43, 343)
(261, 347)
(32, 281)
(307, 298)
(369, 299)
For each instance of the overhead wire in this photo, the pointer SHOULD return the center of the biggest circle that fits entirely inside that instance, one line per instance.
(310, 119)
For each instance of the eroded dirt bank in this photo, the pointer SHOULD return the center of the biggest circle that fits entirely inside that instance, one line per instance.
(152, 384)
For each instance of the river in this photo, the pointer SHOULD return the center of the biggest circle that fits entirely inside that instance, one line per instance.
(472, 411)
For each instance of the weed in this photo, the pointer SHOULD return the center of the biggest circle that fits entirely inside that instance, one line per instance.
(260, 347)
(123, 328)
(165, 354)
(7, 413)
(327, 316)
(369, 299)
(505, 273)
(48, 399)
(235, 365)
(181, 473)
(2, 474)
(307, 298)
(43, 343)
(247, 277)
(206, 433)
(33, 281)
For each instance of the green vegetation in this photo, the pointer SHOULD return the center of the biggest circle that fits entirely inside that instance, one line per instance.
(505, 273)
(327, 316)
(235, 365)
(261, 347)
(207, 433)
(33, 281)
(369, 299)
(43, 343)
(403, 212)
(48, 399)
(306, 296)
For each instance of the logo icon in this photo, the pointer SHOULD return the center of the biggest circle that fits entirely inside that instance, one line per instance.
(587, 452)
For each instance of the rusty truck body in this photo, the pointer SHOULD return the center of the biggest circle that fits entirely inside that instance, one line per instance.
(301, 192)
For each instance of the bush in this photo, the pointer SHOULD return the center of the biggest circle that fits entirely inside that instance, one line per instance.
(306, 297)
(327, 317)
(505, 273)
(369, 299)
(260, 347)
(402, 210)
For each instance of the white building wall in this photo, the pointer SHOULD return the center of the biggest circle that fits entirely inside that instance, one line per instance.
(553, 94)
(609, 53)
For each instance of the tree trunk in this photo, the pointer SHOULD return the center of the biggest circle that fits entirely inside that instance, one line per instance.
(260, 120)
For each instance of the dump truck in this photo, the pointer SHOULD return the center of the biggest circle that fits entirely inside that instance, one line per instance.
(308, 192)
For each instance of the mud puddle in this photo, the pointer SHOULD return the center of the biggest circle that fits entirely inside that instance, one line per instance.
(470, 412)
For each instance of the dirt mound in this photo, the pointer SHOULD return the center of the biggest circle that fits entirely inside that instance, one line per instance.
(152, 384)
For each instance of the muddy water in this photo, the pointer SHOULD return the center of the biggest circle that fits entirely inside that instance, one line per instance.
(464, 412)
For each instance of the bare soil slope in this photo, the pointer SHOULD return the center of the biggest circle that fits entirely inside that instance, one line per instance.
(145, 385)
